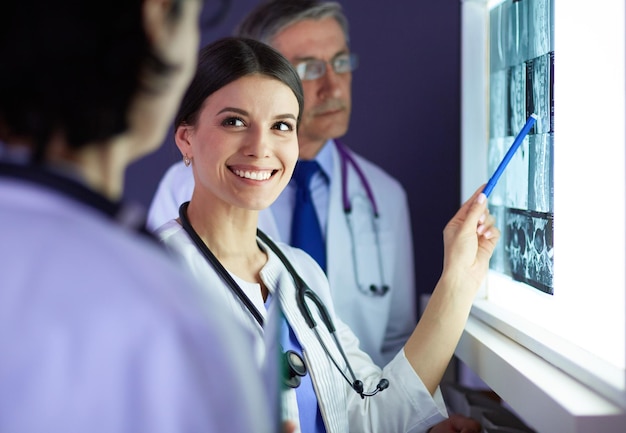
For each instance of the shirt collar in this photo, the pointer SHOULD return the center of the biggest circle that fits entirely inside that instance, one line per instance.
(325, 159)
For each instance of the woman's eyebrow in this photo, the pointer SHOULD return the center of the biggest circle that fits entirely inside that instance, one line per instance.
(234, 110)
(287, 115)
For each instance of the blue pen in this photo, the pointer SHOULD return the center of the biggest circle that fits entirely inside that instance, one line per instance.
(507, 158)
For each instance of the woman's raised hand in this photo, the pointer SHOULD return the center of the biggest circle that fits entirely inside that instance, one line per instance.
(470, 238)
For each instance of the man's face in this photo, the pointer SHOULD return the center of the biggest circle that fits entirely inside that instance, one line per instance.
(327, 99)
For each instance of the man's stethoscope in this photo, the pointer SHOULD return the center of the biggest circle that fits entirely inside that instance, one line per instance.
(346, 158)
(294, 364)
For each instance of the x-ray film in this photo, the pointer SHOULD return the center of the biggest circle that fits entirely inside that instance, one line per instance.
(517, 98)
(529, 248)
(498, 103)
(517, 31)
(541, 32)
(525, 251)
(541, 173)
(538, 92)
(497, 41)
(512, 188)
(521, 82)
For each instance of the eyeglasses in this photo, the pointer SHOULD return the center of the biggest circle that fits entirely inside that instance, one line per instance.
(316, 68)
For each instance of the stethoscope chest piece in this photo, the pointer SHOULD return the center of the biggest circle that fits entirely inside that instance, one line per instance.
(294, 369)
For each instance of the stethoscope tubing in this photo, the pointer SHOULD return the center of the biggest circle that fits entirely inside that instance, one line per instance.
(346, 157)
(303, 291)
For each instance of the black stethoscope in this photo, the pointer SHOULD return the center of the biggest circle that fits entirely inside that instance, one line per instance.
(291, 360)
(346, 158)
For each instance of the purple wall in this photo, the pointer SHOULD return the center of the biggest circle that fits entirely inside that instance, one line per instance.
(406, 110)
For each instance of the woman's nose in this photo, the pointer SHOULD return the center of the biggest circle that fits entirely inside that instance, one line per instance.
(258, 144)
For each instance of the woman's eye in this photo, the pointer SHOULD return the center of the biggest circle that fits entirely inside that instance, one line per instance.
(233, 121)
(283, 126)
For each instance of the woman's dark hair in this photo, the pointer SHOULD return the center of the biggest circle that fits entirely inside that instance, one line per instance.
(74, 69)
(229, 59)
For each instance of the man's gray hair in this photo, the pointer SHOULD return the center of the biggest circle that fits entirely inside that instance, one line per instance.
(269, 18)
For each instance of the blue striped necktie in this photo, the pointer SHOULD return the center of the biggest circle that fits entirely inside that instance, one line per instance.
(306, 232)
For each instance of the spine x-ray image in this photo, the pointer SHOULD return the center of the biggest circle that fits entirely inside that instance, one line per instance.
(521, 82)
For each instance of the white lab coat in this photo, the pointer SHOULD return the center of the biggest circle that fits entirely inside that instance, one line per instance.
(382, 323)
(406, 406)
(101, 331)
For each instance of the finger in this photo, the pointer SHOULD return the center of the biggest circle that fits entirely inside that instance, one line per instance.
(487, 244)
(289, 427)
(477, 212)
(488, 221)
(472, 208)
(484, 216)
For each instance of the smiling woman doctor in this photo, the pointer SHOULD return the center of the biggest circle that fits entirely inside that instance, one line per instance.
(237, 130)
(363, 211)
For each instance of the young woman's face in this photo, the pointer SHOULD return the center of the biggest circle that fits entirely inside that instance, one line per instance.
(244, 146)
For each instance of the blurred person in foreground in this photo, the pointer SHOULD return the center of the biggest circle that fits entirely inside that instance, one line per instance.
(100, 329)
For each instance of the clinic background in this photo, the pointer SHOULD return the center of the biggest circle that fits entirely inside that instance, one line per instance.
(405, 109)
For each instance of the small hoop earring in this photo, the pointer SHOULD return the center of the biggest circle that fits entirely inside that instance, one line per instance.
(186, 160)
